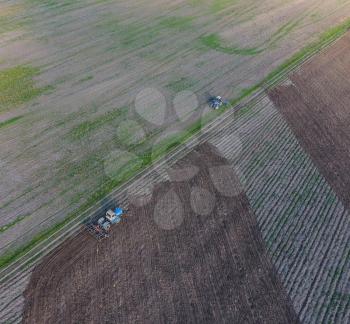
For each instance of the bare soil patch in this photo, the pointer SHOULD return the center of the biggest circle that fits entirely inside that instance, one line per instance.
(211, 267)
(316, 105)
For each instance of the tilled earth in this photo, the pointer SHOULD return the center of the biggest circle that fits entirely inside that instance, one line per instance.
(193, 253)
(315, 103)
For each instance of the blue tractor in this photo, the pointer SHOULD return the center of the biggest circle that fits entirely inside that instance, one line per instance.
(100, 229)
(216, 102)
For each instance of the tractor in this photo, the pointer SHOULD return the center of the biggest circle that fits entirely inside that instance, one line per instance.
(100, 228)
(216, 102)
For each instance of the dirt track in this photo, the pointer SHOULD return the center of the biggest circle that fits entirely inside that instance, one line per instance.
(211, 267)
(316, 105)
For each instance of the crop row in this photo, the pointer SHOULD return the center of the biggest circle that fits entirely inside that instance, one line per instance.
(303, 223)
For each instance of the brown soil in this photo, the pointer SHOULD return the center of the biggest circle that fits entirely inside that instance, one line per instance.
(316, 105)
(208, 269)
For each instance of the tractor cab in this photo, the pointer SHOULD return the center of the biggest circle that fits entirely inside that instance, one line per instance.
(114, 216)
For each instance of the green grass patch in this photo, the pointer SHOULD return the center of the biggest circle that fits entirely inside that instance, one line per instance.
(180, 84)
(8, 24)
(219, 5)
(17, 253)
(213, 41)
(138, 35)
(87, 78)
(149, 157)
(130, 133)
(282, 32)
(10, 121)
(121, 166)
(13, 223)
(87, 127)
(131, 35)
(178, 23)
(17, 86)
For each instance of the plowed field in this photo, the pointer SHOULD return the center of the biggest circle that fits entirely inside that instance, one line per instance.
(316, 105)
(194, 253)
